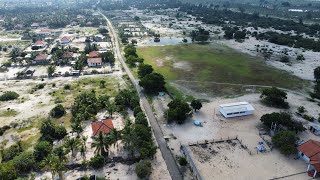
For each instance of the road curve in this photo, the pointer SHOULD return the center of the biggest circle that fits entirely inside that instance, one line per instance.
(167, 155)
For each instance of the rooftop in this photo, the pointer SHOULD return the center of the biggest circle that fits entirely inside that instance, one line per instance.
(104, 126)
(94, 60)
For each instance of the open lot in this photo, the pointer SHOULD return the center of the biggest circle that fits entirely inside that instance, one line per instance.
(238, 163)
(202, 65)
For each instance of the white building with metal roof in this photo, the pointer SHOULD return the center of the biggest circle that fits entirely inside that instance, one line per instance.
(236, 109)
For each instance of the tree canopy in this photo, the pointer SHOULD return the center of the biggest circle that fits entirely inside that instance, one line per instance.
(285, 141)
(274, 97)
(178, 111)
(152, 83)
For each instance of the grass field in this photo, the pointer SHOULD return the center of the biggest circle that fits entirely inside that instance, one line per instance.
(212, 63)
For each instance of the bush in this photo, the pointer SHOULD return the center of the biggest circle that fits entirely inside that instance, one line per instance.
(8, 96)
(301, 109)
(97, 162)
(284, 59)
(24, 162)
(67, 87)
(11, 152)
(143, 169)
(40, 86)
(182, 161)
(8, 171)
(58, 111)
(42, 150)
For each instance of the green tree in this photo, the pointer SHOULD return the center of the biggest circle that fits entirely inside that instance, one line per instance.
(300, 57)
(285, 141)
(274, 97)
(283, 119)
(58, 111)
(41, 150)
(55, 165)
(24, 162)
(144, 69)
(196, 104)
(76, 127)
(101, 144)
(8, 171)
(178, 111)
(72, 144)
(50, 70)
(152, 83)
(143, 169)
(316, 73)
(111, 108)
(102, 83)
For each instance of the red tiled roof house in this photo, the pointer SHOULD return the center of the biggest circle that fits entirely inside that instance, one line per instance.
(310, 152)
(42, 59)
(104, 126)
(94, 62)
(39, 44)
(94, 54)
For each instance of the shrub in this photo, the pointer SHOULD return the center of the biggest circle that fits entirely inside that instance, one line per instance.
(58, 111)
(274, 97)
(40, 86)
(8, 96)
(42, 150)
(143, 169)
(8, 171)
(97, 162)
(24, 162)
(67, 87)
(182, 161)
(11, 152)
(301, 109)
(284, 59)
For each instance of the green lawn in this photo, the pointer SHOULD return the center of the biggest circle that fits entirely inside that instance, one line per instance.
(214, 63)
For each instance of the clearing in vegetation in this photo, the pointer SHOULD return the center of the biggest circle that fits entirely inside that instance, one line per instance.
(206, 64)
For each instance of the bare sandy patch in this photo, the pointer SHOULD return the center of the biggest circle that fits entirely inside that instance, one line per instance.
(182, 65)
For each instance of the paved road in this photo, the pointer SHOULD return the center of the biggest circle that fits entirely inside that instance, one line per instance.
(167, 156)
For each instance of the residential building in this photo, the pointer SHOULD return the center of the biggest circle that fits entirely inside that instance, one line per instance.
(103, 126)
(310, 153)
(94, 62)
(65, 40)
(39, 44)
(42, 59)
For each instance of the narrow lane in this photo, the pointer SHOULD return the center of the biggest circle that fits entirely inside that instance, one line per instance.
(167, 155)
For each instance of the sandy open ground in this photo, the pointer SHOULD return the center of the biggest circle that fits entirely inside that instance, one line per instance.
(268, 165)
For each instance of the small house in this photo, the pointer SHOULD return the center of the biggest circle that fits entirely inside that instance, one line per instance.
(39, 45)
(99, 38)
(65, 40)
(236, 109)
(94, 54)
(94, 62)
(103, 126)
(42, 59)
(310, 153)
(35, 25)
(44, 32)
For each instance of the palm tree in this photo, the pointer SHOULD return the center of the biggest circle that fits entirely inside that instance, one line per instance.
(73, 145)
(115, 136)
(55, 165)
(127, 136)
(83, 148)
(111, 108)
(101, 144)
(77, 128)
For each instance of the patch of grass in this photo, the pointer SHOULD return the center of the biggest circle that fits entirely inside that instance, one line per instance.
(65, 120)
(215, 63)
(8, 113)
(177, 93)
(29, 142)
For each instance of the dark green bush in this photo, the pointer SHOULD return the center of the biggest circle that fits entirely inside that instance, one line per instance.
(8, 96)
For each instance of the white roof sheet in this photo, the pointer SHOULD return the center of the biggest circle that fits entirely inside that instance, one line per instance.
(236, 107)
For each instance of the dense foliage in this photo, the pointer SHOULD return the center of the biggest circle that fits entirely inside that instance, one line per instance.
(58, 111)
(178, 111)
(285, 141)
(275, 97)
(143, 169)
(152, 83)
(282, 120)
